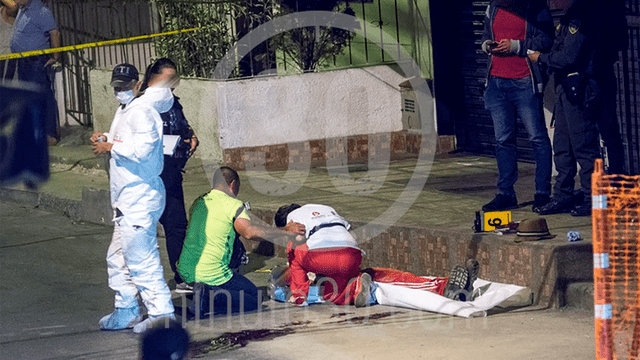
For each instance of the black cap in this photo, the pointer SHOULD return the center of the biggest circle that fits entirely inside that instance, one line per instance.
(123, 75)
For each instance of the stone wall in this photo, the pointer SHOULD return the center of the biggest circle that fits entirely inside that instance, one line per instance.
(317, 152)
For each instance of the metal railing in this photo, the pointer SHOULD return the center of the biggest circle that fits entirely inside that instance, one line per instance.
(86, 21)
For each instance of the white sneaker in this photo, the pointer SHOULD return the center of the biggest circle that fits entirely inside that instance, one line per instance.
(184, 288)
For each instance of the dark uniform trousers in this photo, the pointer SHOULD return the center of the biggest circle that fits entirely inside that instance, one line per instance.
(575, 140)
(174, 218)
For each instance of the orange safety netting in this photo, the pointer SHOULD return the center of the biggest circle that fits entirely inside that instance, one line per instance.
(616, 238)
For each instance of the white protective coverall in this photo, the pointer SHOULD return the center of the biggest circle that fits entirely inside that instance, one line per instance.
(138, 199)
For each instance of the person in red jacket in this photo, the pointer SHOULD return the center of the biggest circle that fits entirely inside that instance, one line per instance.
(329, 249)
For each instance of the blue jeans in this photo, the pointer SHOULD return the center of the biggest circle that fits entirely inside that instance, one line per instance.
(32, 69)
(238, 294)
(507, 99)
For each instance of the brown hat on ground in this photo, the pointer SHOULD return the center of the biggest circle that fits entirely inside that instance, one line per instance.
(533, 230)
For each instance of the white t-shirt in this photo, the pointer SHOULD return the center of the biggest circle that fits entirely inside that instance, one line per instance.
(314, 215)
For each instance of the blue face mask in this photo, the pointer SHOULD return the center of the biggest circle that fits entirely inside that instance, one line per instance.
(159, 97)
(124, 97)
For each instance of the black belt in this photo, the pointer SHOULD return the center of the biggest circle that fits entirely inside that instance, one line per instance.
(321, 226)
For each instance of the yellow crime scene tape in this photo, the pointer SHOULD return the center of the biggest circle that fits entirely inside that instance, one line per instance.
(92, 44)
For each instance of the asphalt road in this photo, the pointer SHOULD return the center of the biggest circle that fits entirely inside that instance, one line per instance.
(53, 291)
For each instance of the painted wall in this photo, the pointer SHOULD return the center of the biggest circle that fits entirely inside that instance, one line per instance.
(198, 99)
(277, 110)
(103, 104)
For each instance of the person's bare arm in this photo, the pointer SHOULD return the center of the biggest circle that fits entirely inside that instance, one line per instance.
(10, 11)
(193, 141)
(56, 42)
(4, 14)
(252, 230)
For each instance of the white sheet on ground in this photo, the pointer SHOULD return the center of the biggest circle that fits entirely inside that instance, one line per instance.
(487, 295)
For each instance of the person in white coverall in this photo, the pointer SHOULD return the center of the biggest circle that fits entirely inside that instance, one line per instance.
(134, 142)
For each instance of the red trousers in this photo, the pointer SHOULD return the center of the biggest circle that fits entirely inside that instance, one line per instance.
(340, 265)
(409, 280)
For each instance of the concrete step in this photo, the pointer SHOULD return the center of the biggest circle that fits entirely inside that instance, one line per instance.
(579, 295)
(80, 155)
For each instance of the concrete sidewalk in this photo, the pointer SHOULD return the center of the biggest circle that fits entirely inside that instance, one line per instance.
(456, 186)
(425, 229)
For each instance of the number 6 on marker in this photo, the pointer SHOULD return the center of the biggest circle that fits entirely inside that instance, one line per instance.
(494, 219)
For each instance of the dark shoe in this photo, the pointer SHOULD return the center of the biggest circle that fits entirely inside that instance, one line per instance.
(455, 289)
(555, 207)
(473, 268)
(578, 198)
(539, 201)
(501, 202)
(583, 209)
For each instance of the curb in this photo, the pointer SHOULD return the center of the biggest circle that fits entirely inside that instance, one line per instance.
(95, 206)
(89, 163)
